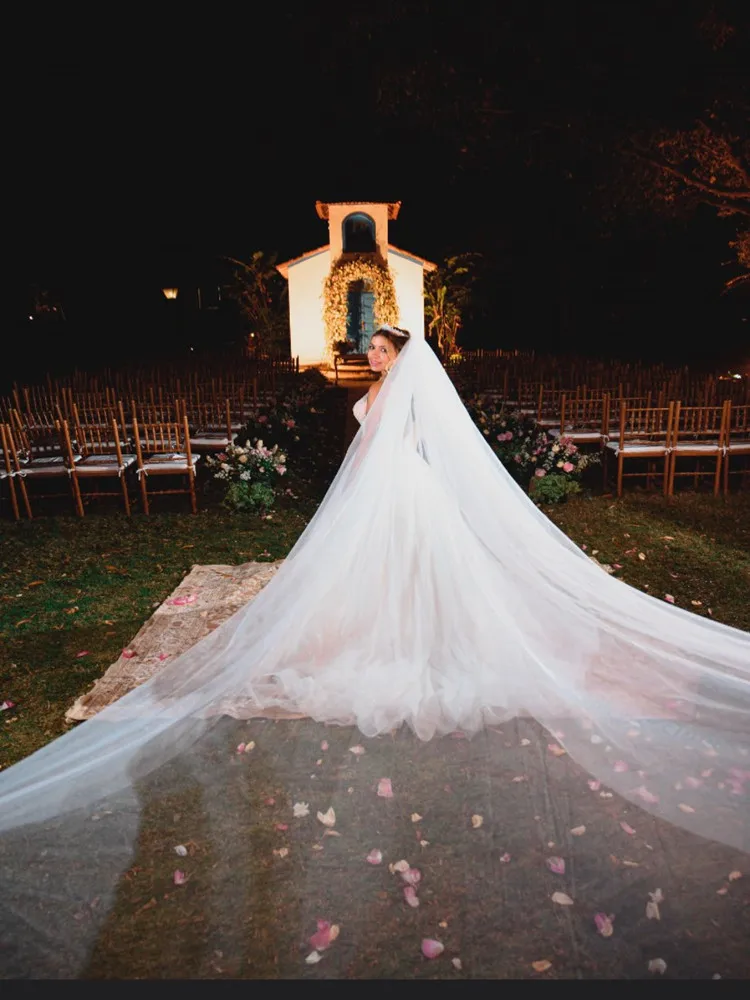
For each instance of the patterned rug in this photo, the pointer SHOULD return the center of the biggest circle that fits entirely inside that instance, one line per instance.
(205, 598)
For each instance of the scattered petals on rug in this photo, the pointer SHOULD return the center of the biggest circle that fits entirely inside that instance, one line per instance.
(604, 924)
(182, 600)
(300, 809)
(328, 818)
(385, 789)
(375, 857)
(657, 965)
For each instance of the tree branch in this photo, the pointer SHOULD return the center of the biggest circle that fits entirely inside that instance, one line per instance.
(734, 282)
(687, 179)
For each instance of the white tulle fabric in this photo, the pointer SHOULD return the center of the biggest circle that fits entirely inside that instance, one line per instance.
(428, 590)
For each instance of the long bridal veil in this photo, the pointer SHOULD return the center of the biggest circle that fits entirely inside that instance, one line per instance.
(426, 590)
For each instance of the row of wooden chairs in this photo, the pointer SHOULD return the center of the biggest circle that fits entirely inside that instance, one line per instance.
(663, 436)
(160, 449)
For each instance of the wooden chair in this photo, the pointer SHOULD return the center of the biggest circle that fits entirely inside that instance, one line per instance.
(644, 433)
(163, 449)
(736, 439)
(698, 433)
(211, 425)
(582, 419)
(10, 469)
(98, 455)
(26, 464)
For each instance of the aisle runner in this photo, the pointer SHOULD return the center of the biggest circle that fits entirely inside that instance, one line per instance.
(206, 597)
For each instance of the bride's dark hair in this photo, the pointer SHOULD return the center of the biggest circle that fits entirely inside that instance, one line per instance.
(394, 334)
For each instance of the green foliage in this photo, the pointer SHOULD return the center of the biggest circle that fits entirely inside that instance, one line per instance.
(261, 295)
(447, 297)
(248, 497)
(554, 488)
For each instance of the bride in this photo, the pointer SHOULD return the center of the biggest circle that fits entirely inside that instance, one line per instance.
(428, 590)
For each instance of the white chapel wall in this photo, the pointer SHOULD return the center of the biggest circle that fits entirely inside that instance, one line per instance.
(307, 329)
(408, 281)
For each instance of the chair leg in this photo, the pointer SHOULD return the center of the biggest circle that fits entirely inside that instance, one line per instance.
(125, 496)
(144, 494)
(668, 480)
(25, 495)
(193, 499)
(620, 458)
(717, 476)
(726, 474)
(13, 498)
(77, 498)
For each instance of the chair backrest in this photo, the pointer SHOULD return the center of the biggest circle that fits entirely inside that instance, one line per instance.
(10, 458)
(646, 423)
(698, 423)
(587, 413)
(162, 437)
(736, 421)
(99, 439)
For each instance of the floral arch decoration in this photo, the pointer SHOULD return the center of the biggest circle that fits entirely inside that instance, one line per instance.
(370, 269)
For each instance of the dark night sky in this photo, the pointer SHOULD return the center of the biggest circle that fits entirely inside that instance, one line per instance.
(131, 169)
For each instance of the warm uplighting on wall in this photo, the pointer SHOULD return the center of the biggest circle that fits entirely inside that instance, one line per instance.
(170, 293)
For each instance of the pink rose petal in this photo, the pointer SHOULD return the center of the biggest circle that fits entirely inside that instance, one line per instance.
(604, 924)
(412, 876)
(385, 789)
(128, 654)
(410, 896)
(163, 656)
(646, 795)
(179, 878)
(556, 865)
(432, 948)
(620, 766)
(627, 828)
(505, 858)
(375, 857)
(322, 937)
(324, 745)
(84, 652)
(669, 598)
(594, 785)
(180, 602)
(281, 827)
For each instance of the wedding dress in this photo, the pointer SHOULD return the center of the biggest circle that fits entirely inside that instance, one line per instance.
(428, 590)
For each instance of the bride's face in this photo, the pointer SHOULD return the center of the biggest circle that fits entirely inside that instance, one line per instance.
(381, 353)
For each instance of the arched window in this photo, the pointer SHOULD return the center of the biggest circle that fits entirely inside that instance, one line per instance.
(359, 233)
